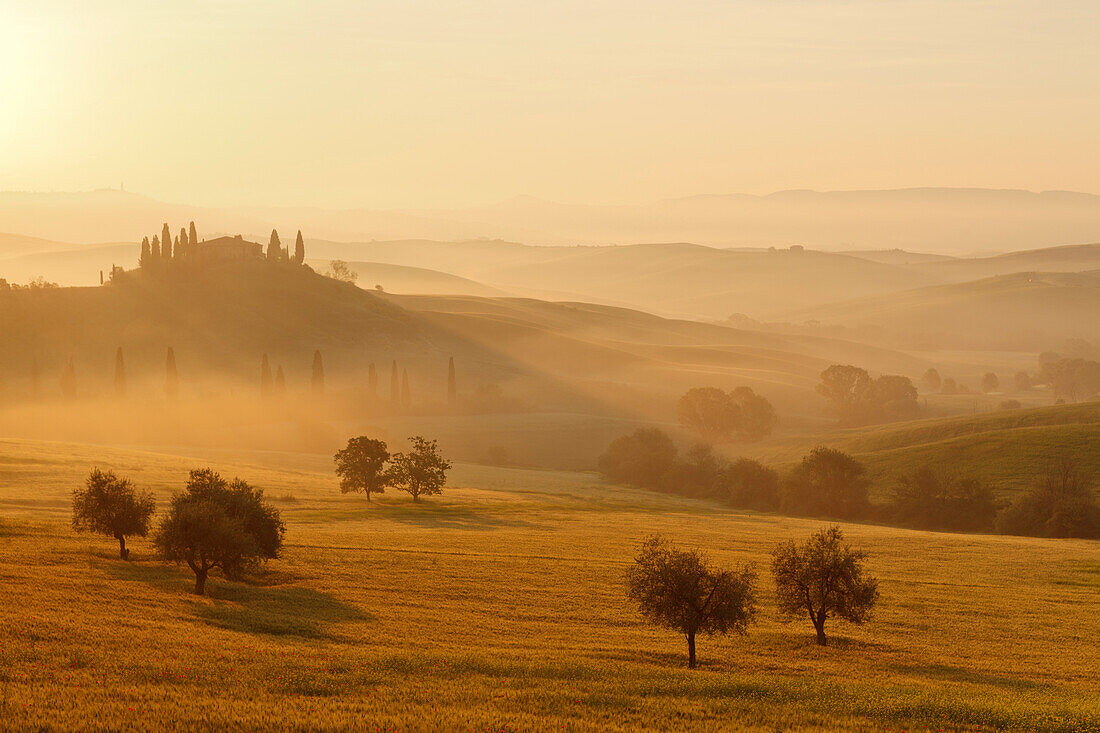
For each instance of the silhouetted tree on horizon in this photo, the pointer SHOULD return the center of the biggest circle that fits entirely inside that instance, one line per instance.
(452, 384)
(120, 374)
(683, 591)
(166, 242)
(299, 249)
(823, 578)
(68, 380)
(318, 380)
(154, 249)
(36, 380)
(192, 236)
(265, 377)
(110, 506)
(273, 246)
(143, 260)
(182, 244)
(171, 376)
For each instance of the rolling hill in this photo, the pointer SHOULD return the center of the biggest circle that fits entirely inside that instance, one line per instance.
(1008, 448)
(1024, 311)
(946, 220)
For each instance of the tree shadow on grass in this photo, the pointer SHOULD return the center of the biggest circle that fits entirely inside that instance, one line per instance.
(449, 516)
(260, 603)
(958, 674)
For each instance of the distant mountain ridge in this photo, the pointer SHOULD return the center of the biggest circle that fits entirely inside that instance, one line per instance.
(937, 220)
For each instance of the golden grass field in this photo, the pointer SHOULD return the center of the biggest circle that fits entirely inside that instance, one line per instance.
(501, 606)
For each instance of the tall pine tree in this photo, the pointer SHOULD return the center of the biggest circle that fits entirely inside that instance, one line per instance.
(318, 380)
(182, 244)
(192, 236)
(265, 377)
(143, 261)
(171, 376)
(154, 249)
(452, 384)
(165, 242)
(299, 248)
(120, 374)
(273, 246)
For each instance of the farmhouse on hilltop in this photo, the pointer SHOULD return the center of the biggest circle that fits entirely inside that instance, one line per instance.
(225, 249)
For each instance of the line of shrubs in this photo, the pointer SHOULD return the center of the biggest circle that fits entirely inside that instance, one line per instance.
(832, 484)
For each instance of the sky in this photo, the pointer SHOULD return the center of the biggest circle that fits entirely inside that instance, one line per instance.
(422, 104)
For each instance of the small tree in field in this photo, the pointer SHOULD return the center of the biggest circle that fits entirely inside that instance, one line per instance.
(110, 506)
(422, 471)
(823, 578)
(683, 591)
(218, 524)
(990, 382)
(361, 466)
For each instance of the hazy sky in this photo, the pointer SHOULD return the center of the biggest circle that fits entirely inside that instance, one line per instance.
(410, 103)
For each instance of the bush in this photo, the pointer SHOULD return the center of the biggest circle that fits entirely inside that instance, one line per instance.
(1059, 504)
(827, 483)
(935, 498)
(642, 458)
(749, 484)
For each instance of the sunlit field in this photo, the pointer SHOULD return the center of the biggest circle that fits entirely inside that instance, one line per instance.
(500, 605)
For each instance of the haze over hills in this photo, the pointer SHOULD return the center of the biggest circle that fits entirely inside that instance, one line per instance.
(1024, 311)
(941, 220)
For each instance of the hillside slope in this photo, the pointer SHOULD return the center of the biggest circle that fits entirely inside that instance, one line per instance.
(1025, 311)
(1009, 449)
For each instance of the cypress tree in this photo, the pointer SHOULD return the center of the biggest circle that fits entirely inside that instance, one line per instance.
(265, 377)
(318, 374)
(154, 250)
(192, 237)
(372, 381)
(184, 243)
(273, 246)
(280, 381)
(452, 384)
(68, 381)
(406, 398)
(120, 374)
(171, 376)
(36, 380)
(395, 394)
(299, 248)
(175, 248)
(144, 259)
(166, 242)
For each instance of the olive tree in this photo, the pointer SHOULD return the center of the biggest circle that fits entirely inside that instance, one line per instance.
(219, 524)
(110, 506)
(422, 471)
(823, 578)
(681, 590)
(361, 466)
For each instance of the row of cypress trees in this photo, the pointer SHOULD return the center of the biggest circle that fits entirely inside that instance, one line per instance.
(163, 248)
(276, 252)
(270, 383)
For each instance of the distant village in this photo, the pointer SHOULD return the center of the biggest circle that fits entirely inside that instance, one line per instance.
(186, 246)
